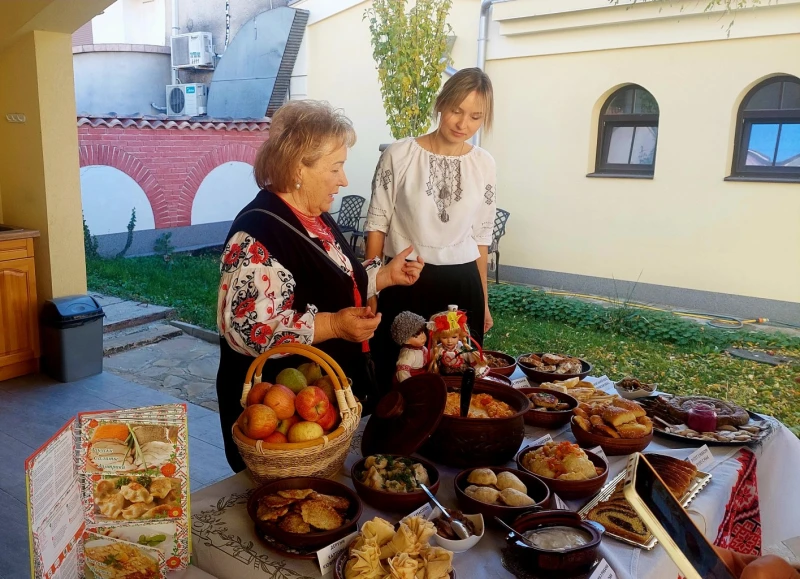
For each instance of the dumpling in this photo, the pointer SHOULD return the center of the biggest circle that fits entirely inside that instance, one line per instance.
(135, 511)
(111, 505)
(136, 493)
(379, 529)
(374, 478)
(157, 512)
(422, 529)
(377, 461)
(482, 476)
(420, 474)
(483, 494)
(403, 566)
(437, 562)
(514, 498)
(508, 480)
(364, 562)
(104, 487)
(160, 487)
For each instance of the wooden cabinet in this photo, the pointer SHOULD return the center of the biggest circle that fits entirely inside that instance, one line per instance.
(19, 324)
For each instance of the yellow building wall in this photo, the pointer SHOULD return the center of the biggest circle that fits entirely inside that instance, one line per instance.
(39, 174)
(686, 227)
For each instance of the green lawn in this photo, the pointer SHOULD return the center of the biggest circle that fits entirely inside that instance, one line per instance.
(680, 356)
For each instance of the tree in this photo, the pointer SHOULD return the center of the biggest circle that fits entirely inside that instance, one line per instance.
(731, 6)
(410, 50)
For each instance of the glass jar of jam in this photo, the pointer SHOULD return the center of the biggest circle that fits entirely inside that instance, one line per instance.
(702, 418)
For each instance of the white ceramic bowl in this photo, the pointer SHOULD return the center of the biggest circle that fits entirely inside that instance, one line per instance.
(634, 394)
(460, 545)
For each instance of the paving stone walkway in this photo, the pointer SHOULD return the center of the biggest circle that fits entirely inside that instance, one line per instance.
(184, 367)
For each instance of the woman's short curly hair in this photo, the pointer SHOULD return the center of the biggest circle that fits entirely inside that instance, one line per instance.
(301, 132)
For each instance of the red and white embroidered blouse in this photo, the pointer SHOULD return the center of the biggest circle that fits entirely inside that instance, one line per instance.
(256, 293)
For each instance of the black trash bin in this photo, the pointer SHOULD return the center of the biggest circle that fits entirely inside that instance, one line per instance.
(72, 338)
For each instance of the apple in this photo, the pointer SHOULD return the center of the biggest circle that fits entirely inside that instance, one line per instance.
(303, 431)
(258, 421)
(312, 403)
(257, 393)
(281, 400)
(276, 437)
(285, 424)
(329, 419)
(326, 386)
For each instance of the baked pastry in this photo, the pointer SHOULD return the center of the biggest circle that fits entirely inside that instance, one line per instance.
(637, 409)
(482, 476)
(515, 498)
(508, 480)
(321, 515)
(581, 412)
(633, 430)
(583, 423)
(543, 400)
(677, 474)
(552, 359)
(618, 517)
(615, 415)
(728, 414)
(486, 495)
(645, 420)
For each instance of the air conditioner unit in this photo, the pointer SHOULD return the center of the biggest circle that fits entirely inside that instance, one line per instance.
(192, 50)
(186, 99)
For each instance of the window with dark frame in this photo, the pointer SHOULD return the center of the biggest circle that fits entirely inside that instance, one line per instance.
(767, 145)
(628, 135)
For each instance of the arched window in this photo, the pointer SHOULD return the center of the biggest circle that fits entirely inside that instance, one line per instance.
(626, 141)
(768, 131)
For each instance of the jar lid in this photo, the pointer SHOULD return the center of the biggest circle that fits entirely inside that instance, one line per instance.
(406, 417)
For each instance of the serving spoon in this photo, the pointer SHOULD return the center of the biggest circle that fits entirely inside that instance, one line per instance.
(516, 534)
(458, 527)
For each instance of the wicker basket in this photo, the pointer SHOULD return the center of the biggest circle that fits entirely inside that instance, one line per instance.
(320, 457)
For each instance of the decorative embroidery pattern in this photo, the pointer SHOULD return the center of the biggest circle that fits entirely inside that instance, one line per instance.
(740, 530)
(489, 195)
(444, 184)
(386, 179)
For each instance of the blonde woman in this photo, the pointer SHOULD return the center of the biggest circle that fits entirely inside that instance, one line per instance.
(437, 192)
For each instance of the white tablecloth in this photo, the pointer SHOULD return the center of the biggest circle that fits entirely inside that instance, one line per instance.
(225, 544)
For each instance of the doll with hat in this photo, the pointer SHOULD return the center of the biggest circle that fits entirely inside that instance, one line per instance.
(451, 350)
(409, 331)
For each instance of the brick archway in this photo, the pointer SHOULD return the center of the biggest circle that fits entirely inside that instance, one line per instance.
(206, 164)
(112, 156)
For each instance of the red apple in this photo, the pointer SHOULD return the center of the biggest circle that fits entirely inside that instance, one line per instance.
(276, 437)
(327, 387)
(281, 400)
(312, 403)
(287, 423)
(303, 431)
(258, 421)
(257, 393)
(328, 420)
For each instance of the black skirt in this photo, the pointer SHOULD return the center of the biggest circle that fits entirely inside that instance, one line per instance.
(438, 287)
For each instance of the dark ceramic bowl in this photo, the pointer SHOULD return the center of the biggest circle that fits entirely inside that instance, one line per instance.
(464, 442)
(537, 490)
(499, 379)
(394, 502)
(341, 562)
(510, 363)
(555, 563)
(611, 446)
(307, 541)
(550, 418)
(538, 377)
(570, 489)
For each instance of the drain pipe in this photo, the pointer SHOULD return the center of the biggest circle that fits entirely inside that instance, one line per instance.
(483, 34)
(175, 31)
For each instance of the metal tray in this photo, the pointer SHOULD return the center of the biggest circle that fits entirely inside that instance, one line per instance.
(701, 479)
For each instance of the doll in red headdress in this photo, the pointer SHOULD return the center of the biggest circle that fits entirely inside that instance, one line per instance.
(451, 351)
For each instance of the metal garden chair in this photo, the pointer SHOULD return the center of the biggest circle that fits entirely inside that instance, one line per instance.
(500, 219)
(348, 217)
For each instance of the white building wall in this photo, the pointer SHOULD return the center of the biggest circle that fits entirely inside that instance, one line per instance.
(108, 195)
(223, 193)
(132, 22)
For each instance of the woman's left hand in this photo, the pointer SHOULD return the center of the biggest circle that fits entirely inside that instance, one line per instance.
(399, 271)
(488, 322)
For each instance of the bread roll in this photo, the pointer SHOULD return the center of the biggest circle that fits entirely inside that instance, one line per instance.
(508, 480)
(615, 415)
(482, 476)
(486, 495)
(514, 498)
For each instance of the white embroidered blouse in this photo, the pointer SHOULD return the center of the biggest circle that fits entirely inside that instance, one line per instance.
(255, 303)
(444, 206)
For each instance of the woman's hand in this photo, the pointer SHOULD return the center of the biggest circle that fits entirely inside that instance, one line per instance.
(488, 321)
(755, 567)
(399, 271)
(355, 324)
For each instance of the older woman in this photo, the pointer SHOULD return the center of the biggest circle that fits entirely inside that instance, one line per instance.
(288, 275)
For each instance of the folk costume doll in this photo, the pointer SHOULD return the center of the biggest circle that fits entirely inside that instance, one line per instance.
(409, 331)
(451, 352)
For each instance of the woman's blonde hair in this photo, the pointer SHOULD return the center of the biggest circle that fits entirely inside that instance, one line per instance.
(301, 131)
(458, 86)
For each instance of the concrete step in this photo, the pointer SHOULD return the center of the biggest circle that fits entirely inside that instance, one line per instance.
(122, 314)
(126, 339)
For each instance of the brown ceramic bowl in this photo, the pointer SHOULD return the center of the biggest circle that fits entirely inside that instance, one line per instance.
(538, 377)
(510, 363)
(341, 562)
(611, 446)
(537, 490)
(394, 502)
(465, 442)
(550, 418)
(555, 563)
(499, 379)
(307, 541)
(570, 489)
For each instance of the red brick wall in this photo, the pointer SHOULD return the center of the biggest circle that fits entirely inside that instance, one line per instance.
(169, 160)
